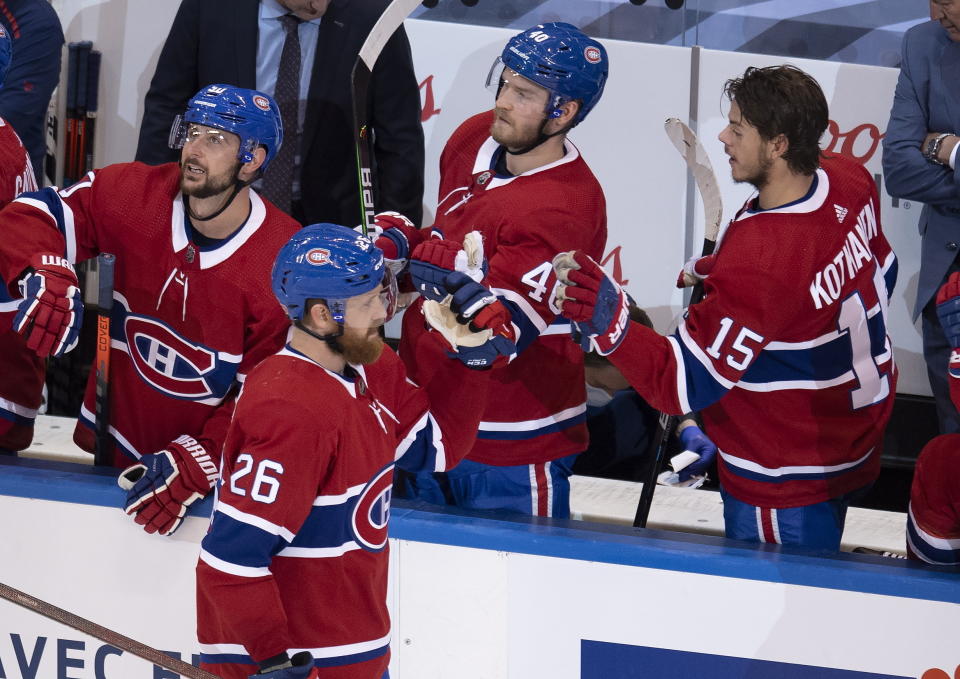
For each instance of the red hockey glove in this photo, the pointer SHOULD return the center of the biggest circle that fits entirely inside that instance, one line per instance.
(51, 313)
(593, 301)
(162, 485)
(695, 270)
(395, 235)
(433, 259)
(301, 667)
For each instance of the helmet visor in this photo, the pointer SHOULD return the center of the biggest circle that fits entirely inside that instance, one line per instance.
(511, 88)
(371, 309)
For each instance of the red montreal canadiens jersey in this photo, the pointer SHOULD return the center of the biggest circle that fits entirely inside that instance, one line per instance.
(21, 380)
(933, 519)
(537, 406)
(297, 555)
(187, 323)
(787, 357)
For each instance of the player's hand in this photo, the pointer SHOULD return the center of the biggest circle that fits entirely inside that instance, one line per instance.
(593, 301)
(433, 259)
(162, 485)
(695, 270)
(693, 439)
(301, 667)
(395, 235)
(51, 312)
(474, 322)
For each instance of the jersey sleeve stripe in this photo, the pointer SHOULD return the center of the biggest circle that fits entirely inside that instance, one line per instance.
(319, 552)
(703, 385)
(254, 521)
(232, 568)
(523, 306)
(234, 541)
(757, 472)
(931, 548)
(422, 448)
(49, 202)
(538, 424)
(681, 374)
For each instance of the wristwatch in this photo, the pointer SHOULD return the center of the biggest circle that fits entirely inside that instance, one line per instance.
(932, 150)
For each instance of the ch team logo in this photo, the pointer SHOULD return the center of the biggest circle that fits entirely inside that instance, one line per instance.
(592, 54)
(318, 256)
(371, 514)
(169, 362)
(261, 102)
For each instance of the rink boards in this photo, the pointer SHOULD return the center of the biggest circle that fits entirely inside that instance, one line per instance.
(486, 598)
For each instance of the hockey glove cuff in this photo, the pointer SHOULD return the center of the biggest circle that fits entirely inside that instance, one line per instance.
(301, 667)
(162, 485)
(51, 313)
(593, 301)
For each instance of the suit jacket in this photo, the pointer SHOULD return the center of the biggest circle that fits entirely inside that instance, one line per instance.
(215, 41)
(927, 99)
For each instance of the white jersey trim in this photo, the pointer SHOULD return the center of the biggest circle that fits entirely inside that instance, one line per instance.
(17, 409)
(346, 649)
(681, 374)
(701, 357)
(232, 568)
(524, 305)
(121, 439)
(945, 544)
(811, 204)
(331, 500)
(255, 521)
(319, 552)
(490, 146)
(529, 425)
(751, 466)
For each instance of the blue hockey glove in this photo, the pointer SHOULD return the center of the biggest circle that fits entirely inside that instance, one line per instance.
(693, 439)
(593, 301)
(301, 667)
(948, 308)
(51, 313)
(162, 485)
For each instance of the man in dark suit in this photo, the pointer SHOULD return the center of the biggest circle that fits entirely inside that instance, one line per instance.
(919, 164)
(237, 42)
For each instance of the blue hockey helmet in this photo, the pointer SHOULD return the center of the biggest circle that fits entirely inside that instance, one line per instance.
(562, 59)
(251, 115)
(6, 52)
(332, 263)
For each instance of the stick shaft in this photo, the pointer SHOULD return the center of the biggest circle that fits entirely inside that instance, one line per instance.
(116, 639)
(105, 271)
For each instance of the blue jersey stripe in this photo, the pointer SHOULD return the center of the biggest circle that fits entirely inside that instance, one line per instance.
(931, 554)
(11, 416)
(794, 476)
(702, 387)
(240, 543)
(334, 661)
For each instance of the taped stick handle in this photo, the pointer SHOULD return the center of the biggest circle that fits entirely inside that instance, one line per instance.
(106, 263)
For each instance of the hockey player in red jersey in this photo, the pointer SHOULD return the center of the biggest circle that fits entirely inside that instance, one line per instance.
(192, 310)
(933, 519)
(295, 561)
(787, 358)
(513, 174)
(21, 380)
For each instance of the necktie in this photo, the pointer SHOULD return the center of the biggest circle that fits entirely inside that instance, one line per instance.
(278, 178)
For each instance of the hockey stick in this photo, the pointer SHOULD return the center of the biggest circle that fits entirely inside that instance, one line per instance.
(386, 26)
(79, 149)
(698, 163)
(103, 634)
(93, 99)
(71, 113)
(105, 267)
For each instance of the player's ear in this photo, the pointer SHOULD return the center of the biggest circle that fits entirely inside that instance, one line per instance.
(568, 114)
(780, 145)
(249, 169)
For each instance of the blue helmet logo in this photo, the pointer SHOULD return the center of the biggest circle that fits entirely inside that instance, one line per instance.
(325, 261)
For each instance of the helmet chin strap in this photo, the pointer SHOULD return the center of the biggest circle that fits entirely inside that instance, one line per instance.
(237, 187)
(331, 339)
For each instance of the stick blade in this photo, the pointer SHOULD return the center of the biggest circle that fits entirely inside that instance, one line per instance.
(698, 162)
